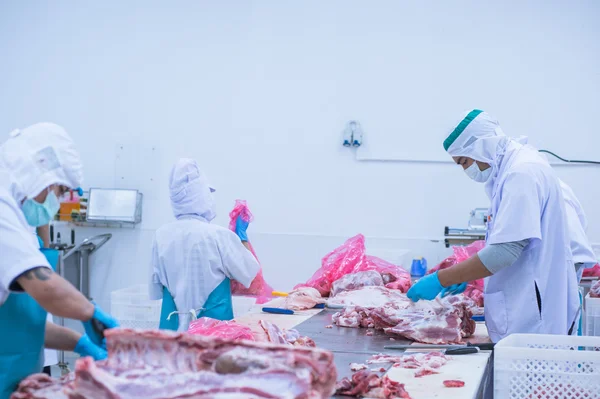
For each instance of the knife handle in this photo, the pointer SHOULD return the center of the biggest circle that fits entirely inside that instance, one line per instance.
(487, 346)
(277, 310)
(466, 350)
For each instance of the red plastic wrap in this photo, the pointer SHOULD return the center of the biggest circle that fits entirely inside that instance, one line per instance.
(259, 286)
(592, 271)
(222, 329)
(475, 288)
(351, 258)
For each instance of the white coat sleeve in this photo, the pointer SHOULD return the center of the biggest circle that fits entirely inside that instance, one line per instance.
(18, 249)
(155, 286)
(519, 214)
(239, 263)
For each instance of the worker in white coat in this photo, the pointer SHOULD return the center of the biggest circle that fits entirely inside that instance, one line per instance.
(193, 260)
(531, 285)
(37, 165)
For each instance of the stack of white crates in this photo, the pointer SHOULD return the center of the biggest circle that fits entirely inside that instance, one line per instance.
(592, 316)
(134, 309)
(537, 366)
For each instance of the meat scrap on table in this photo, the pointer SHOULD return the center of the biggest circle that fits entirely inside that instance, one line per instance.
(367, 384)
(303, 298)
(442, 321)
(424, 363)
(153, 364)
(454, 384)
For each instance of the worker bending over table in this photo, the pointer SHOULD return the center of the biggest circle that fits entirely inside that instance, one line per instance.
(37, 166)
(532, 284)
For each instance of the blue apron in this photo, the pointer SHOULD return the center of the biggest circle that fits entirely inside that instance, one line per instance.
(217, 306)
(22, 329)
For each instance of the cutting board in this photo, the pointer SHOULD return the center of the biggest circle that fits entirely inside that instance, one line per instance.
(467, 368)
(286, 321)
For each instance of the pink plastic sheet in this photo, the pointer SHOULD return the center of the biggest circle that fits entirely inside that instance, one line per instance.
(350, 258)
(592, 271)
(259, 287)
(474, 289)
(222, 329)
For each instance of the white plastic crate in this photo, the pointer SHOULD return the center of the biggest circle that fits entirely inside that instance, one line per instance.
(592, 316)
(536, 366)
(134, 309)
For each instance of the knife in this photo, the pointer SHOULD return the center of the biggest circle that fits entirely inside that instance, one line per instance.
(277, 310)
(488, 346)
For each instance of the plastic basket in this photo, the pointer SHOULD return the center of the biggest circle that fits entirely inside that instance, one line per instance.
(592, 316)
(134, 309)
(536, 366)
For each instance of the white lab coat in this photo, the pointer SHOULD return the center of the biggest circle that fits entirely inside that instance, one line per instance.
(527, 203)
(191, 257)
(19, 248)
(577, 224)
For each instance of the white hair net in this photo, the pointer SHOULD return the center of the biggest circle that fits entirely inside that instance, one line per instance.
(39, 156)
(191, 193)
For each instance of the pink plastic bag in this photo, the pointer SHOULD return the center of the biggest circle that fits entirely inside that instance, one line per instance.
(222, 329)
(474, 289)
(351, 258)
(592, 271)
(259, 286)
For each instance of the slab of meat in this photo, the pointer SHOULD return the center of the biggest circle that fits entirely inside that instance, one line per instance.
(454, 384)
(367, 384)
(282, 336)
(595, 290)
(434, 322)
(357, 280)
(424, 363)
(303, 298)
(592, 271)
(222, 329)
(164, 365)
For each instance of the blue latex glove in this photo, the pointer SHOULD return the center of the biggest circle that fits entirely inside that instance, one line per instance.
(241, 226)
(427, 287)
(454, 289)
(97, 337)
(85, 347)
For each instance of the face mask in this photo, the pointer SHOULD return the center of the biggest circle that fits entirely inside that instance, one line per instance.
(477, 174)
(38, 214)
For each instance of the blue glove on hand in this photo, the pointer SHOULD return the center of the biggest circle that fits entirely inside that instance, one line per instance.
(240, 228)
(427, 287)
(90, 326)
(85, 347)
(454, 289)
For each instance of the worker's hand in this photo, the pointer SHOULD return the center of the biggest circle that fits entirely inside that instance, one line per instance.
(241, 226)
(427, 287)
(454, 289)
(85, 347)
(102, 320)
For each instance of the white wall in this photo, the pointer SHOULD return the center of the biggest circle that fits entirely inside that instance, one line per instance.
(258, 92)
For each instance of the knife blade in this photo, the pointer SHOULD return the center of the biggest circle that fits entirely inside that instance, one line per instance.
(488, 346)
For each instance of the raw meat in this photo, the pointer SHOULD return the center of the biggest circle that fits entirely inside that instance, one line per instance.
(357, 280)
(435, 322)
(303, 298)
(282, 336)
(157, 364)
(259, 286)
(222, 329)
(454, 384)
(425, 364)
(474, 289)
(367, 384)
(595, 290)
(358, 366)
(351, 258)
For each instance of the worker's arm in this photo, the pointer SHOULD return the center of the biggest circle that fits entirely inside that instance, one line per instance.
(238, 261)
(247, 245)
(469, 270)
(55, 294)
(60, 338)
(44, 233)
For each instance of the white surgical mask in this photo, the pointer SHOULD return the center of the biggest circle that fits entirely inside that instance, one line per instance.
(477, 174)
